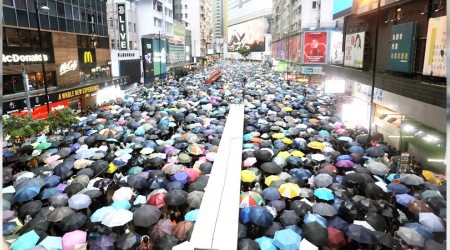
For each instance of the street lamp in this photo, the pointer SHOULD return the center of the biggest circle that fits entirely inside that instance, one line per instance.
(374, 67)
(40, 6)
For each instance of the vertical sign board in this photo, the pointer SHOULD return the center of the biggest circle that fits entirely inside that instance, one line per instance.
(315, 47)
(336, 54)
(294, 48)
(402, 47)
(159, 57)
(354, 50)
(436, 48)
(147, 52)
(123, 39)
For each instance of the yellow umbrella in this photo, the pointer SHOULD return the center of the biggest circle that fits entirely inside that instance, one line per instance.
(287, 109)
(316, 145)
(289, 190)
(427, 174)
(248, 176)
(313, 120)
(112, 168)
(286, 141)
(284, 154)
(278, 135)
(297, 153)
(271, 178)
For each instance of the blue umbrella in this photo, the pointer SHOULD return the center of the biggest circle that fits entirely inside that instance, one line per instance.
(391, 177)
(51, 151)
(261, 216)
(174, 185)
(121, 204)
(421, 229)
(404, 199)
(52, 180)
(119, 162)
(25, 241)
(79, 201)
(244, 215)
(287, 239)
(301, 173)
(271, 194)
(52, 243)
(48, 193)
(8, 227)
(338, 223)
(181, 177)
(27, 193)
(356, 150)
(344, 157)
(295, 228)
(375, 152)
(191, 215)
(85, 154)
(266, 243)
(324, 194)
(397, 188)
(97, 216)
(311, 217)
(344, 138)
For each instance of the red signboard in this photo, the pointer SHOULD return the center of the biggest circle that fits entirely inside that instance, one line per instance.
(41, 112)
(315, 47)
(294, 48)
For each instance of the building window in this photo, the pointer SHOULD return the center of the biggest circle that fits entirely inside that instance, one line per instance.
(14, 83)
(60, 8)
(21, 5)
(8, 3)
(185, 6)
(12, 36)
(185, 15)
(314, 5)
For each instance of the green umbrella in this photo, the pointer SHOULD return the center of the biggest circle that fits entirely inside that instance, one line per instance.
(26, 241)
(184, 158)
(82, 179)
(135, 170)
(43, 146)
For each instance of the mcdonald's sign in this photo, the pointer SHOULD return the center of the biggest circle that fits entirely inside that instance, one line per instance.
(86, 57)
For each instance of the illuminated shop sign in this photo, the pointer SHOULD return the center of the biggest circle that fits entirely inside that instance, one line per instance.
(16, 58)
(121, 12)
(68, 66)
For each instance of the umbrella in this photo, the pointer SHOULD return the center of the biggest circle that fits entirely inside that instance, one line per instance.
(404, 199)
(103, 242)
(176, 197)
(52, 243)
(345, 164)
(397, 188)
(79, 201)
(71, 239)
(9, 227)
(250, 198)
(411, 236)
(323, 180)
(324, 194)
(377, 168)
(377, 221)
(361, 234)
(387, 240)
(374, 152)
(161, 228)
(421, 229)
(117, 217)
(289, 190)
(27, 193)
(59, 213)
(270, 194)
(52, 180)
(137, 181)
(26, 241)
(59, 200)
(432, 222)
(121, 204)
(128, 241)
(172, 168)
(315, 233)
(123, 193)
(287, 239)
(48, 193)
(98, 215)
(265, 243)
(183, 229)
(313, 217)
(191, 215)
(167, 242)
(261, 216)
(194, 198)
(146, 215)
(411, 179)
(336, 238)
(73, 222)
(324, 209)
(30, 208)
(271, 168)
(289, 217)
(418, 206)
(316, 145)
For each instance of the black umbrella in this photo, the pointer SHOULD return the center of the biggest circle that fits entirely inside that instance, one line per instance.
(270, 232)
(361, 234)
(37, 224)
(146, 216)
(197, 185)
(271, 168)
(30, 208)
(167, 242)
(158, 182)
(73, 188)
(242, 231)
(300, 207)
(247, 244)
(137, 181)
(376, 221)
(86, 171)
(26, 149)
(156, 174)
(128, 241)
(176, 197)
(315, 233)
(289, 217)
(99, 167)
(73, 222)
(387, 240)
(372, 188)
(264, 155)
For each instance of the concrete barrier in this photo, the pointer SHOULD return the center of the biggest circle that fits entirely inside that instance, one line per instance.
(218, 217)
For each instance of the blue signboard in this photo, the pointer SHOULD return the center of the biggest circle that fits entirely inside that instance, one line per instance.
(402, 47)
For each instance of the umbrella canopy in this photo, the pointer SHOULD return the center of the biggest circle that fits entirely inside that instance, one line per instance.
(432, 222)
(387, 240)
(289, 217)
(324, 209)
(71, 239)
(261, 216)
(128, 241)
(26, 241)
(176, 197)
(98, 215)
(79, 201)
(287, 239)
(52, 242)
(250, 198)
(411, 236)
(182, 229)
(194, 198)
(361, 234)
(73, 222)
(289, 190)
(315, 233)
(117, 217)
(146, 215)
(59, 213)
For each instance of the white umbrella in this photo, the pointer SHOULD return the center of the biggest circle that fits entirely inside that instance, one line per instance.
(305, 244)
(117, 217)
(364, 224)
(432, 222)
(79, 201)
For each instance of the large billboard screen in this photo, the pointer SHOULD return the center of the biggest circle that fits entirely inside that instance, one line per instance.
(159, 57)
(315, 47)
(294, 48)
(436, 48)
(402, 47)
(147, 52)
(249, 34)
(336, 53)
(342, 8)
(354, 50)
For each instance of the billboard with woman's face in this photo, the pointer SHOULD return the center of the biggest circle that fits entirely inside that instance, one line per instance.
(354, 50)
(249, 34)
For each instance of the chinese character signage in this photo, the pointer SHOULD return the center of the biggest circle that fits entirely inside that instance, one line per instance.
(402, 47)
(436, 49)
(315, 47)
(336, 54)
(354, 50)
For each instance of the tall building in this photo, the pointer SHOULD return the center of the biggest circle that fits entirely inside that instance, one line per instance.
(249, 24)
(75, 54)
(286, 18)
(197, 17)
(219, 16)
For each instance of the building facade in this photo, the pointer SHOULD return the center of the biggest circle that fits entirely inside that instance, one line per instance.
(219, 15)
(76, 54)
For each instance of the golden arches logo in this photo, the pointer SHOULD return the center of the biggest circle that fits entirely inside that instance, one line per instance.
(88, 57)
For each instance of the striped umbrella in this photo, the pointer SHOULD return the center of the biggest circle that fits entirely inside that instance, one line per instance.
(195, 149)
(289, 190)
(250, 199)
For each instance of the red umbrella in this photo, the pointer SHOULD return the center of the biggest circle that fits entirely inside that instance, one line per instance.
(157, 200)
(162, 228)
(336, 238)
(193, 174)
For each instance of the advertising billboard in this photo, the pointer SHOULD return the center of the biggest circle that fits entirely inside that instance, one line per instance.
(159, 57)
(336, 53)
(147, 52)
(249, 34)
(354, 50)
(87, 58)
(436, 48)
(402, 47)
(294, 48)
(121, 14)
(315, 47)
(17, 55)
(342, 8)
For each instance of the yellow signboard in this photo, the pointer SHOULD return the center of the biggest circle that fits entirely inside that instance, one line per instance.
(76, 92)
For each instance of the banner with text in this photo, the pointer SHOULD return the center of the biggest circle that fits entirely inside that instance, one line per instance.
(354, 50)
(123, 39)
(402, 47)
(336, 53)
(315, 47)
(435, 63)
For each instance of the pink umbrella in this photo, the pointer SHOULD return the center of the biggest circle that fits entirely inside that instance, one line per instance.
(249, 162)
(192, 174)
(169, 149)
(342, 132)
(345, 164)
(52, 159)
(8, 215)
(162, 228)
(211, 156)
(123, 193)
(71, 239)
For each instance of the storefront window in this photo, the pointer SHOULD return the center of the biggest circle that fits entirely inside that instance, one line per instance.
(14, 83)
(13, 37)
(26, 38)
